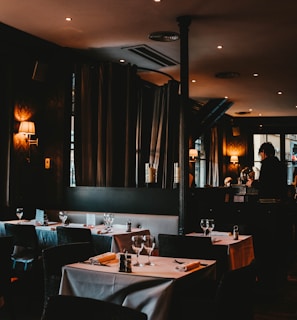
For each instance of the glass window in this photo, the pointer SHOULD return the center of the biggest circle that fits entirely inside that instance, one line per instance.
(289, 154)
(72, 167)
(200, 164)
(261, 138)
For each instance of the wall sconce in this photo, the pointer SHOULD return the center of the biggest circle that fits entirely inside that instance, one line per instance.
(28, 129)
(193, 155)
(234, 159)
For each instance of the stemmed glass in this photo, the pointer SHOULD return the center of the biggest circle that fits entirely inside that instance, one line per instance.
(149, 245)
(204, 225)
(63, 217)
(137, 246)
(19, 213)
(108, 219)
(211, 225)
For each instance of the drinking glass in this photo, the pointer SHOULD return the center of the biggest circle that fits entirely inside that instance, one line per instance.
(204, 225)
(63, 217)
(137, 246)
(211, 225)
(108, 219)
(19, 213)
(149, 245)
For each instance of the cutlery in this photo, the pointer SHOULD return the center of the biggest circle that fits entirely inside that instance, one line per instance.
(95, 263)
(182, 262)
(179, 262)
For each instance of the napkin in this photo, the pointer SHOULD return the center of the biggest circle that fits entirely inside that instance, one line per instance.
(107, 256)
(188, 266)
(219, 233)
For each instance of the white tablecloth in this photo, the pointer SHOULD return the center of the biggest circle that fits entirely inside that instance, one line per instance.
(149, 289)
(116, 241)
(240, 252)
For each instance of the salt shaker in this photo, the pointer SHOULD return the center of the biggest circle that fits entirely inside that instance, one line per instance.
(129, 225)
(235, 232)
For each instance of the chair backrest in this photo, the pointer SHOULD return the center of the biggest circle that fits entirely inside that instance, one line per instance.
(54, 258)
(6, 272)
(235, 294)
(90, 308)
(24, 235)
(72, 234)
(182, 246)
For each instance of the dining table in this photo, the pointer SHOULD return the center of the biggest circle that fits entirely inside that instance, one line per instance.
(240, 251)
(116, 239)
(150, 288)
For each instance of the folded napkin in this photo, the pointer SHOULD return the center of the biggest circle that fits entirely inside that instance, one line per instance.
(188, 266)
(219, 233)
(101, 258)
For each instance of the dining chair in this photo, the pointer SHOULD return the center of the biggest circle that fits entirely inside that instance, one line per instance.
(67, 234)
(89, 308)
(6, 276)
(26, 247)
(182, 246)
(231, 297)
(54, 258)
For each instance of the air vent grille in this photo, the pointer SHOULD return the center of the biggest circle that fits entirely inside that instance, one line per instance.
(152, 55)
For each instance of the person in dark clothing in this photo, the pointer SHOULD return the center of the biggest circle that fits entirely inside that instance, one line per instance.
(271, 227)
(272, 182)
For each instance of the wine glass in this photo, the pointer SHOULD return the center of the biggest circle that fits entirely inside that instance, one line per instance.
(137, 246)
(204, 225)
(108, 219)
(63, 217)
(211, 225)
(149, 245)
(19, 213)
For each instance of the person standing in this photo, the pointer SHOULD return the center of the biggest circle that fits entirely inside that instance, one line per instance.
(270, 221)
(272, 182)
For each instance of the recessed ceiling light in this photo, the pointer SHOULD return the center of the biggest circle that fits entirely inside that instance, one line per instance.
(219, 47)
(279, 92)
(68, 19)
(256, 74)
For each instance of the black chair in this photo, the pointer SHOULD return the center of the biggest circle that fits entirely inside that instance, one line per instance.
(54, 258)
(235, 294)
(182, 246)
(232, 297)
(26, 247)
(72, 234)
(89, 308)
(6, 274)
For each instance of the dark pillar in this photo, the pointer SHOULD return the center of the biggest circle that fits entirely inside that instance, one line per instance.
(184, 23)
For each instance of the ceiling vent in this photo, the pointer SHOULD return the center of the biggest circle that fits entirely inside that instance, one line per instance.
(152, 55)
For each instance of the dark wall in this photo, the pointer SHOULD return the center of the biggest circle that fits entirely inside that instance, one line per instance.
(135, 200)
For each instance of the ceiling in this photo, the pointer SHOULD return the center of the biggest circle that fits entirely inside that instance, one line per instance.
(258, 36)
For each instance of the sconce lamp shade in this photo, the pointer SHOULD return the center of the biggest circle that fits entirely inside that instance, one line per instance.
(234, 159)
(27, 127)
(193, 155)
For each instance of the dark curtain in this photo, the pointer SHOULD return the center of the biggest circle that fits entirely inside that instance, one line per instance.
(117, 115)
(163, 136)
